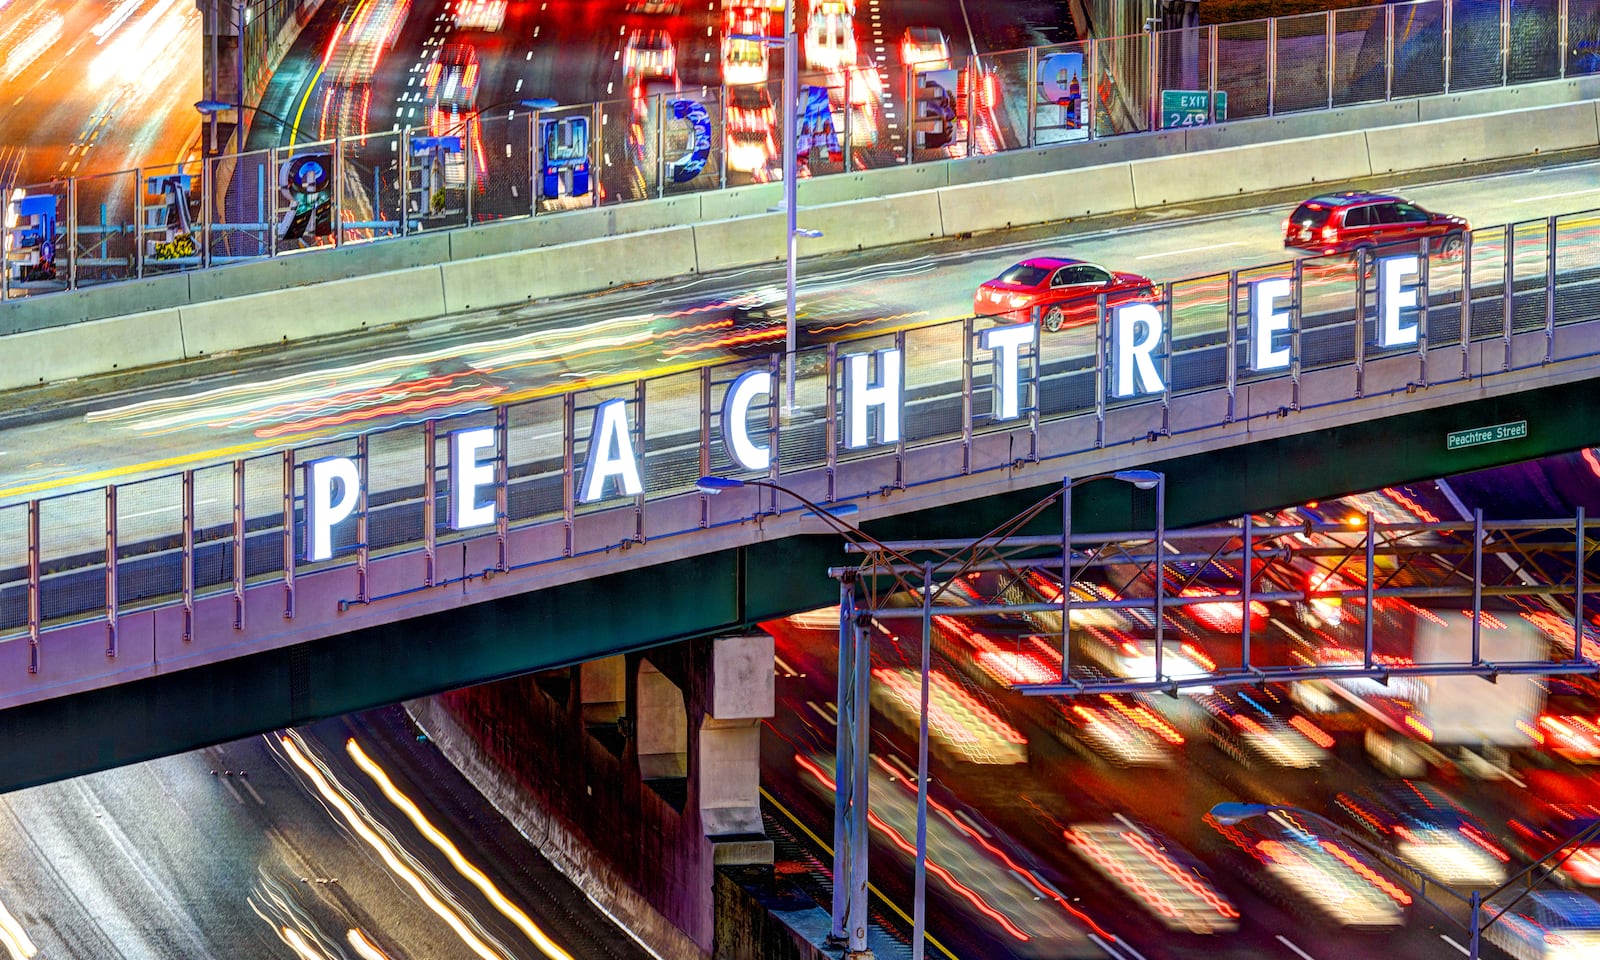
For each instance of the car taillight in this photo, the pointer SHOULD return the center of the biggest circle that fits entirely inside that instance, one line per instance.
(1556, 940)
(1330, 234)
(1286, 225)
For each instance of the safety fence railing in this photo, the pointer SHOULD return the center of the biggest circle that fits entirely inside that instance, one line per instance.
(622, 457)
(505, 160)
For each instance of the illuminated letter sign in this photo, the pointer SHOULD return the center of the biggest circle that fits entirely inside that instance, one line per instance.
(860, 395)
(1136, 330)
(1266, 323)
(736, 420)
(698, 149)
(1060, 84)
(1393, 296)
(322, 510)
(610, 454)
(467, 474)
(1005, 343)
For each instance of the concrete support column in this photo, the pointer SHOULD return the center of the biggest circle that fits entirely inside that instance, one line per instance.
(661, 726)
(728, 767)
(603, 690)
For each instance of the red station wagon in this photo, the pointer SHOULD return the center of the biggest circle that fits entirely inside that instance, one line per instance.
(1342, 222)
(1062, 289)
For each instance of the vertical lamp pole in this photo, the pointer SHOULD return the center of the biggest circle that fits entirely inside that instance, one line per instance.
(791, 79)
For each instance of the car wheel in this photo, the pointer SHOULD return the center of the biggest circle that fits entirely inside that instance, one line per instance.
(1054, 319)
(1452, 246)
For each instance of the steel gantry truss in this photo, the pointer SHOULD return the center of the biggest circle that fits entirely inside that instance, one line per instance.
(1540, 564)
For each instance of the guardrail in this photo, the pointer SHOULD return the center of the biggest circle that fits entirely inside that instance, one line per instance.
(157, 220)
(499, 489)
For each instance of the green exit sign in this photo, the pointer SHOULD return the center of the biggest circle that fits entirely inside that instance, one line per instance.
(1192, 108)
(1482, 435)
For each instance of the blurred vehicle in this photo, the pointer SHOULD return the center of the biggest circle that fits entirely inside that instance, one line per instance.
(1428, 830)
(862, 86)
(1258, 727)
(485, 15)
(1342, 222)
(1120, 655)
(1063, 290)
(652, 7)
(1538, 834)
(744, 60)
(452, 76)
(830, 36)
(1161, 876)
(1545, 925)
(1569, 725)
(1303, 865)
(924, 48)
(750, 115)
(1119, 729)
(649, 58)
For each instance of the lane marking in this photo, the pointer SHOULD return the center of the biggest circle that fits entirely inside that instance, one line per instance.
(1290, 944)
(1557, 196)
(252, 791)
(1186, 250)
(227, 781)
(1097, 941)
(1464, 950)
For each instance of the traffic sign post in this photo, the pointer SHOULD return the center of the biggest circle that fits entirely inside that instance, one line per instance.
(1192, 108)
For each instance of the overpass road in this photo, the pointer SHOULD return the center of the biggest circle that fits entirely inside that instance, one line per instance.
(271, 400)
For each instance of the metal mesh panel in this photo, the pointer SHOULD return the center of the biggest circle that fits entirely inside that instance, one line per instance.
(719, 459)
(501, 172)
(263, 497)
(1199, 333)
(1577, 266)
(611, 496)
(1488, 282)
(1530, 268)
(933, 364)
(1122, 85)
(169, 218)
(435, 181)
(752, 145)
(985, 401)
(1332, 297)
(536, 447)
(72, 551)
(298, 222)
(1359, 42)
(394, 488)
(213, 527)
(1419, 49)
(1444, 297)
(1535, 41)
(802, 440)
(1302, 63)
(370, 206)
(876, 119)
(1008, 96)
(13, 569)
(105, 229)
(1067, 372)
(1583, 37)
(1184, 58)
(242, 206)
(345, 534)
(39, 261)
(686, 168)
(630, 167)
(149, 544)
(564, 170)
(1474, 44)
(669, 460)
(1242, 67)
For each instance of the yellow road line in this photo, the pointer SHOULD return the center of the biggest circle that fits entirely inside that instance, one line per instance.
(874, 890)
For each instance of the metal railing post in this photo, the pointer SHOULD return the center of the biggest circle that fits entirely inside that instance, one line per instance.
(661, 144)
(1505, 42)
(1562, 28)
(338, 191)
(430, 503)
(363, 472)
(1246, 587)
(1549, 289)
(1388, 51)
(288, 534)
(35, 587)
(1580, 556)
(1066, 578)
(1091, 89)
(72, 234)
(1297, 285)
(138, 222)
(1360, 324)
(1272, 65)
(472, 176)
(1231, 350)
(1508, 292)
(1447, 30)
(207, 211)
(1032, 85)
(569, 491)
(842, 765)
(1102, 376)
(188, 555)
(239, 538)
(1466, 305)
(1424, 262)
(111, 570)
(405, 181)
(967, 334)
(1332, 57)
(1477, 583)
(502, 485)
(1367, 613)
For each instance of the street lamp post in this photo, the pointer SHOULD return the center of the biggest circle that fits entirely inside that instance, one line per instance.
(1229, 813)
(850, 757)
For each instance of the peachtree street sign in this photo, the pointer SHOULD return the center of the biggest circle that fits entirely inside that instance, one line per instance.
(1481, 435)
(873, 403)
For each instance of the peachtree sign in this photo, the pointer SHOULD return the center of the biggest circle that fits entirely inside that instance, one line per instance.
(873, 403)
(1482, 435)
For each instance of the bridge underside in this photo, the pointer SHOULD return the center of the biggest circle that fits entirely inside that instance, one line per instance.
(723, 592)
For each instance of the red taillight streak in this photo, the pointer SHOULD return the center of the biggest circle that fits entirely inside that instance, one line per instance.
(1372, 876)
(371, 413)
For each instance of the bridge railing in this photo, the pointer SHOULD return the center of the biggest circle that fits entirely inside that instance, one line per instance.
(371, 186)
(1253, 345)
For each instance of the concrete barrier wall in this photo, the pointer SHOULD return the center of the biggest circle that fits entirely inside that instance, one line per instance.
(539, 271)
(95, 347)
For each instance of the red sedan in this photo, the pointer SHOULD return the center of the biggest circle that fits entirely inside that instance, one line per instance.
(1062, 290)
